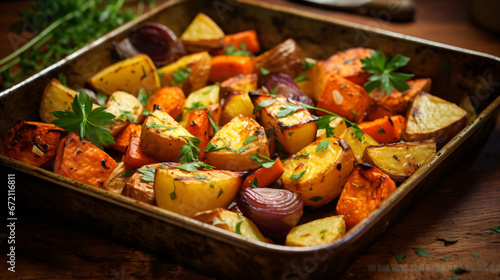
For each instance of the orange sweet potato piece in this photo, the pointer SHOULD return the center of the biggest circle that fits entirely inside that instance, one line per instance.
(249, 37)
(348, 65)
(399, 102)
(33, 143)
(170, 99)
(265, 176)
(199, 126)
(139, 189)
(81, 160)
(377, 111)
(344, 98)
(363, 192)
(226, 66)
(134, 157)
(386, 129)
(123, 138)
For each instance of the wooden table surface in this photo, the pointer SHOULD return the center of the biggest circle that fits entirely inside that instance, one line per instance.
(464, 205)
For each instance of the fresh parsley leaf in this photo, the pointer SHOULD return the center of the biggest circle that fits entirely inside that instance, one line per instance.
(254, 183)
(190, 152)
(234, 51)
(212, 185)
(307, 64)
(89, 124)
(238, 227)
(323, 145)
(421, 252)
(301, 78)
(194, 166)
(146, 112)
(495, 229)
(211, 147)
(266, 163)
(250, 139)
(181, 75)
(298, 175)
(383, 74)
(148, 174)
(101, 98)
(400, 257)
(306, 154)
(160, 127)
(264, 71)
(242, 149)
(126, 115)
(316, 198)
(323, 122)
(380, 130)
(476, 255)
(263, 104)
(162, 166)
(220, 193)
(200, 177)
(445, 259)
(62, 78)
(342, 86)
(288, 109)
(128, 173)
(143, 97)
(195, 106)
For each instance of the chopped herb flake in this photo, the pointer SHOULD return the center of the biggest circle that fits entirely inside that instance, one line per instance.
(316, 198)
(400, 257)
(323, 145)
(421, 252)
(298, 175)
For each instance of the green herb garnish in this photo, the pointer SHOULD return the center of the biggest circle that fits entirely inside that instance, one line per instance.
(194, 166)
(323, 145)
(189, 152)
(445, 259)
(380, 130)
(421, 252)
(266, 162)
(160, 127)
(264, 71)
(220, 193)
(298, 175)
(102, 98)
(400, 257)
(316, 198)
(288, 109)
(148, 174)
(234, 51)
(195, 106)
(238, 227)
(476, 255)
(200, 177)
(181, 75)
(250, 139)
(128, 173)
(495, 229)
(254, 183)
(301, 78)
(143, 97)
(263, 104)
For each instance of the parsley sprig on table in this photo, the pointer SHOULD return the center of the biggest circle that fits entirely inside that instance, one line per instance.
(89, 124)
(383, 72)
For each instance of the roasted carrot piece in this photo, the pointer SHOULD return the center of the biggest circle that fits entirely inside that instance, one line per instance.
(399, 102)
(348, 65)
(226, 66)
(249, 37)
(33, 143)
(170, 99)
(386, 129)
(363, 192)
(377, 111)
(81, 160)
(343, 97)
(134, 157)
(215, 113)
(123, 139)
(199, 126)
(265, 176)
(137, 188)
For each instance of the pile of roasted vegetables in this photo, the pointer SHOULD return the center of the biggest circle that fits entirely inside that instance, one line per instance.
(209, 127)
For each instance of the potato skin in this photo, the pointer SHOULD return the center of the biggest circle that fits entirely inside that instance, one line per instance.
(325, 171)
(317, 232)
(357, 146)
(235, 104)
(139, 189)
(56, 97)
(115, 182)
(363, 192)
(118, 103)
(33, 143)
(287, 58)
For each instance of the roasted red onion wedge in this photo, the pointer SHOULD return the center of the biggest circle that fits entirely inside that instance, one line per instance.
(274, 211)
(153, 39)
(282, 84)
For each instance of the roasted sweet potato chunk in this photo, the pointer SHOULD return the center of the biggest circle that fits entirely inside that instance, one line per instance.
(137, 188)
(363, 192)
(81, 160)
(33, 143)
(348, 65)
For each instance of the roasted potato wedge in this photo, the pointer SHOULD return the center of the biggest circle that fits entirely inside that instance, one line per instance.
(129, 75)
(338, 125)
(313, 85)
(364, 191)
(235, 104)
(433, 117)
(199, 69)
(317, 232)
(286, 57)
(203, 97)
(294, 131)
(188, 193)
(56, 97)
(244, 83)
(33, 143)
(232, 147)
(358, 146)
(162, 137)
(400, 160)
(202, 34)
(319, 171)
(124, 106)
(231, 221)
(116, 182)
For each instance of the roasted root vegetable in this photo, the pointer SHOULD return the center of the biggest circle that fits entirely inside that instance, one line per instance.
(34, 143)
(56, 97)
(235, 104)
(170, 99)
(140, 185)
(200, 99)
(338, 126)
(188, 193)
(400, 160)
(364, 191)
(116, 180)
(190, 72)
(348, 65)
(314, 80)
(264, 176)
(123, 138)
(199, 126)
(232, 222)
(377, 111)
(385, 130)
(358, 143)
(202, 34)
(126, 107)
(433, 117)
(344, 98)
(318, 232)
(134, 157)
(287, 58)
(399, 102)
(234, 145)
(319, 171)
(244, 83)
(223, 67)
(274, 211)
(82, 161)
(247, 38)
(294, 130)
(162, 137)
(128, 75)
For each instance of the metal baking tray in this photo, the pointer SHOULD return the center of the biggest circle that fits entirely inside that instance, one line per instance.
(454, 72)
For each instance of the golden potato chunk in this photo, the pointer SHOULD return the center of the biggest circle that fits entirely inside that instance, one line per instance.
(357, 146)
(234, 145)
(126, 107)
(400, 160)
(202, 34)
(245, 83)
(129, 75)
(235, 104)
(56, 97)
(188, 193)
(199, 99)
(432, 117)
(338, 126)
(231, 221)
(116, 182)
(319, 171)
(162, 137)
(318, 232)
